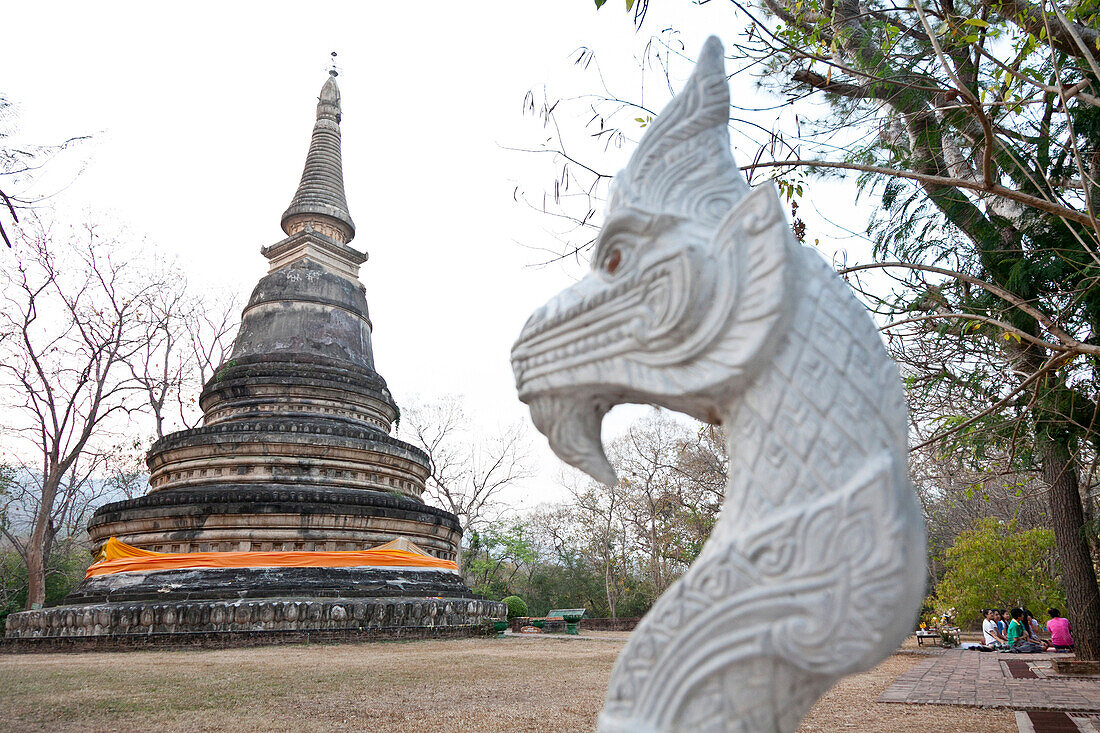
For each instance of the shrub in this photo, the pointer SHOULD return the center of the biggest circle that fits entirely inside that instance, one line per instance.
(65, 569)
(998, 565)
(516, 606)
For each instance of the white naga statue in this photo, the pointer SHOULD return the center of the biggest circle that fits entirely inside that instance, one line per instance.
(700, 300)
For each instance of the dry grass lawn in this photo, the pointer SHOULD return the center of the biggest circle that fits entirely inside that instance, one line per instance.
(514, 684)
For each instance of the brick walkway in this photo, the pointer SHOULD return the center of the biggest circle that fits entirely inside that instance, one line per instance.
(977, 679)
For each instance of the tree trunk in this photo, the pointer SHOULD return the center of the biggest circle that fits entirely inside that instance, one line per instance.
(1090, 523)
(36, 573)
(39, 542)
(607, 589)
(654, 563)
(1078, 572)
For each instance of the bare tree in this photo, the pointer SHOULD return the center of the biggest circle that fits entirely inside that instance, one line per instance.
(647, 460)
(469, 472)
(69, 325)
(598, 515)
(644, 531)
(185, 338)
(565, 572)
(614, 548)
(18, 164)
(123, 474)
(76, 498)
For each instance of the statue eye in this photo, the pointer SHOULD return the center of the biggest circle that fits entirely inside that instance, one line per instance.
(612, 261)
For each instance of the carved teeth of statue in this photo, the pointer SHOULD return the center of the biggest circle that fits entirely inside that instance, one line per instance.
(572, 427)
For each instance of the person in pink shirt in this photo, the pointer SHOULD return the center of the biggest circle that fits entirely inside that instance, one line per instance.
(1058, 627)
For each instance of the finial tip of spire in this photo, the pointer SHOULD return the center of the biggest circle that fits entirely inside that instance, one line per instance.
(320, 201)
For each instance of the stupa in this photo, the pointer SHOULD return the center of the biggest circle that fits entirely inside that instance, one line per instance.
(294, 469)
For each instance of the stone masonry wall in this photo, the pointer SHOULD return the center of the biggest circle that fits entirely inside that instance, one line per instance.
(212, 617)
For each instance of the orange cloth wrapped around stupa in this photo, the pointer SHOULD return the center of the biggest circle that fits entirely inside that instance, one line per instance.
(118, 557)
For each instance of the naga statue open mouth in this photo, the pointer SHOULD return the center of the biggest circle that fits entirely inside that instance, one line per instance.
(700, 300)
(629, 312)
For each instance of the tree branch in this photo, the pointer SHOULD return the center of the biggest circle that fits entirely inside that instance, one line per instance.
(996, 189)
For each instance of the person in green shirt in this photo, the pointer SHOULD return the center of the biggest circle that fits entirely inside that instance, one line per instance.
(1015, 628)
(1017, 637)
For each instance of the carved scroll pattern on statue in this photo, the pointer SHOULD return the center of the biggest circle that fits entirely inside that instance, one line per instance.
(815, 566)
(812, 566)
(682, 164)
(759, 598)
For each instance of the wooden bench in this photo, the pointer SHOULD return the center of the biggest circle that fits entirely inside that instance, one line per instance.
(572, 617)
(544, 624)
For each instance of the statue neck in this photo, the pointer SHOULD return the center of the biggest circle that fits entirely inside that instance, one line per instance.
(830, 398)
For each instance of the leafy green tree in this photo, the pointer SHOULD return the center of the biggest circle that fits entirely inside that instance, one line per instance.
(997, 565)
(496, 556)
(66, 567)
(568, 583)
(955, 493)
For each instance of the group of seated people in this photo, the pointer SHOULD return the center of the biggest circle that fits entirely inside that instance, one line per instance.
(1018, 631)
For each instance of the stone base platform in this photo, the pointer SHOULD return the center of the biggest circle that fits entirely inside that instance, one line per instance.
(233, 640)
(268, 620)
(163, 607)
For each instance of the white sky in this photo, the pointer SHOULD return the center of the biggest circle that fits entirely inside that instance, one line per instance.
(201, 115)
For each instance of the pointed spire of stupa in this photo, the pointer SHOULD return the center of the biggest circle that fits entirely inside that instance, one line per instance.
(319, 201)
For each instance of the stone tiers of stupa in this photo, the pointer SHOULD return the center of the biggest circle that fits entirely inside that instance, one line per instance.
(295, 452)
